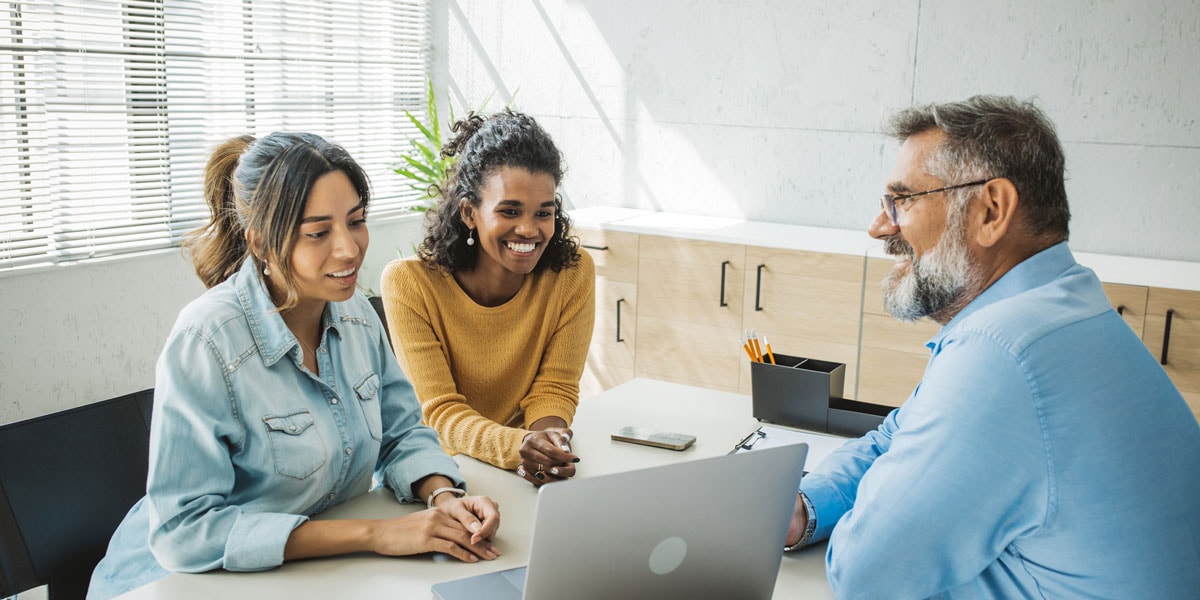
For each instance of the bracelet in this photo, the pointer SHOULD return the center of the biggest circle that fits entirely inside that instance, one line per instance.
(453, 490)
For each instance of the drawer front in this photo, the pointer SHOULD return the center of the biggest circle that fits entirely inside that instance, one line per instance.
(614, 252)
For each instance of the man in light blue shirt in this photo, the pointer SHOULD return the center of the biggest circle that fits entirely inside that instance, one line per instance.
(1045, 453)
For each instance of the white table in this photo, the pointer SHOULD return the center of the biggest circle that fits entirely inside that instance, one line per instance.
(717, 419)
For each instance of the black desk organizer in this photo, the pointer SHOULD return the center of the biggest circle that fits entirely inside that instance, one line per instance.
(807, 393)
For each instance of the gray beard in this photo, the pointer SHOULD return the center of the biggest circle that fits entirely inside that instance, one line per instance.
(935, 284)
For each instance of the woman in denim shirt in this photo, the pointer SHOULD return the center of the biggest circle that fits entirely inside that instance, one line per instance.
(277, 394)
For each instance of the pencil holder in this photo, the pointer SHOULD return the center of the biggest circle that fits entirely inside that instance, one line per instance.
(796, 391)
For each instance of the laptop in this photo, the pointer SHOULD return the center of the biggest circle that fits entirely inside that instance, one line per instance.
(710, 528)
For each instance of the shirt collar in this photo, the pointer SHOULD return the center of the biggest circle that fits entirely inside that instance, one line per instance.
(1033, 272)
(271, 334)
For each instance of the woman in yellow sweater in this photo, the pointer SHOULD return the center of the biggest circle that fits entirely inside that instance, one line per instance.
(492, 319)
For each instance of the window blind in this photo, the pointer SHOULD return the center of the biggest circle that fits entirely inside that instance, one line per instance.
(108, 108)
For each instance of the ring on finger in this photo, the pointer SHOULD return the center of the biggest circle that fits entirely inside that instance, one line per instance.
(541, 472)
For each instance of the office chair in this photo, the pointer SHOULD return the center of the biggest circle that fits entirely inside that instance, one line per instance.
(66, 481)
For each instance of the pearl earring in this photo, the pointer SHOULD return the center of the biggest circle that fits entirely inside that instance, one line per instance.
(470, 239)
(267, 271)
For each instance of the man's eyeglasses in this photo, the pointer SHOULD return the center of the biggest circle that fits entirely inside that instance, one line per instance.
(888, 202)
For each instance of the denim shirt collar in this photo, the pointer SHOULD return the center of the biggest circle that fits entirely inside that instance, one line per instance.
(1035, 271)
(271, 334)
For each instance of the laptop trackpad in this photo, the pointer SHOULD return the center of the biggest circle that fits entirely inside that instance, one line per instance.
(501, 585)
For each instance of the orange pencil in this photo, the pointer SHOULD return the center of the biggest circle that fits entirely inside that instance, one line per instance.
(770, 354)
(754, 342)
(754, 355)
(749, 352)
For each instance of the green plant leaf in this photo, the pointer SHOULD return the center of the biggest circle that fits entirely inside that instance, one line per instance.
(416, 164)
(431, 110)
(421, 126)
(413, 176)
(430, 158)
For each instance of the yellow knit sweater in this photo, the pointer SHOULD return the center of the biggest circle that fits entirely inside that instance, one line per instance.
(484, 374)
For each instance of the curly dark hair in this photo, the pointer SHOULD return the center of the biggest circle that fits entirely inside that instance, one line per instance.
(483, 145)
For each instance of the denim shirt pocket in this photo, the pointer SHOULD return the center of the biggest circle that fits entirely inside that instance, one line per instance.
(296, 445)
(368, 400)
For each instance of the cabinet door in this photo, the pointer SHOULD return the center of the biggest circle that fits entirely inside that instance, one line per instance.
(893, 355)
(1130, 301)
(689, 311)
(614, 252)
(806, 303)
(1183, 343)
(610, 356)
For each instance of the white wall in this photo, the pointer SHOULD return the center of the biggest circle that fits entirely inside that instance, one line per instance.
(768, 110)
(772, 110)
(81, 333)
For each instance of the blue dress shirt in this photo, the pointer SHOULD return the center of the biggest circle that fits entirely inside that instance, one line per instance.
(1045, 454)
(246, 443)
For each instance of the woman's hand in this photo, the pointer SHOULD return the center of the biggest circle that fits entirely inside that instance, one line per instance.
(460, 527)
(546, 455)
(478, 514)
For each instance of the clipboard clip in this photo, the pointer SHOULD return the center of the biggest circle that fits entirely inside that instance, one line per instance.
(748, 442)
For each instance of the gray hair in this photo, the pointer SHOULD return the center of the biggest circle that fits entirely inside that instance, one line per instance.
(997, 136)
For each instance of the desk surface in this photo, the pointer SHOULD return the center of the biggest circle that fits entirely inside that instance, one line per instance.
(717, 419)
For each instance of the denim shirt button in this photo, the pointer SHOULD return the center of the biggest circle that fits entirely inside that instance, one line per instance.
(349, 451)
(331, 496)
(334, 400)
(322, 349)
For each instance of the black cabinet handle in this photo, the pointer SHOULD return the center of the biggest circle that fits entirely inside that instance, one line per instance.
(619, 338)
(591, 247)
(723, 265)
(758, 288)
(1121, 309)
(1166, 336)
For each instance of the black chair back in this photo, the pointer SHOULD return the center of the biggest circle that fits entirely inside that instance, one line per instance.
(66, 481)
(377, 304)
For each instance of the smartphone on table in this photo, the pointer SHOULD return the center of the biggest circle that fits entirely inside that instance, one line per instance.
(650, 437)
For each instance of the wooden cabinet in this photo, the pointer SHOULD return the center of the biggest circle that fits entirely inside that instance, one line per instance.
(806, 304)
(611, 354)
(1180, 343)
(690, 311)
(893, 355)
(675, 309)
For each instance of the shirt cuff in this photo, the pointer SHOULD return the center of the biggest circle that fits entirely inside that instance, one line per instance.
(809, 528)
(257, 540)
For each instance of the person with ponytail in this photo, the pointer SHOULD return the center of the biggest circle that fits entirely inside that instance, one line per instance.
(277, 395)
(493, 317)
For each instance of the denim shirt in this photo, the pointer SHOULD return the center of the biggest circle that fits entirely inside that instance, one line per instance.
(246, 443)
(1044, 454)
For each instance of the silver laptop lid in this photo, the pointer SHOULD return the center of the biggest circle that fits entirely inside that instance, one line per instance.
(710, 528)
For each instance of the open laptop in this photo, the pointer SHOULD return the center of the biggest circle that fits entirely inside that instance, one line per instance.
(710, 528)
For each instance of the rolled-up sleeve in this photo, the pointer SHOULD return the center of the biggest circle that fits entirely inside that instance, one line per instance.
(410, 451)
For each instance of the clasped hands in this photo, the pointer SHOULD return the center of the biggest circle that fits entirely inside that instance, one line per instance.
(546, 454)
(461, 527)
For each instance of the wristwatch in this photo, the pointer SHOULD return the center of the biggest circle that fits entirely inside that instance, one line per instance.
(453, 490)
(809, 528)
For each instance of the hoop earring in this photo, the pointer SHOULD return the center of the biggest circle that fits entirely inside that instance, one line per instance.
(470, 239)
